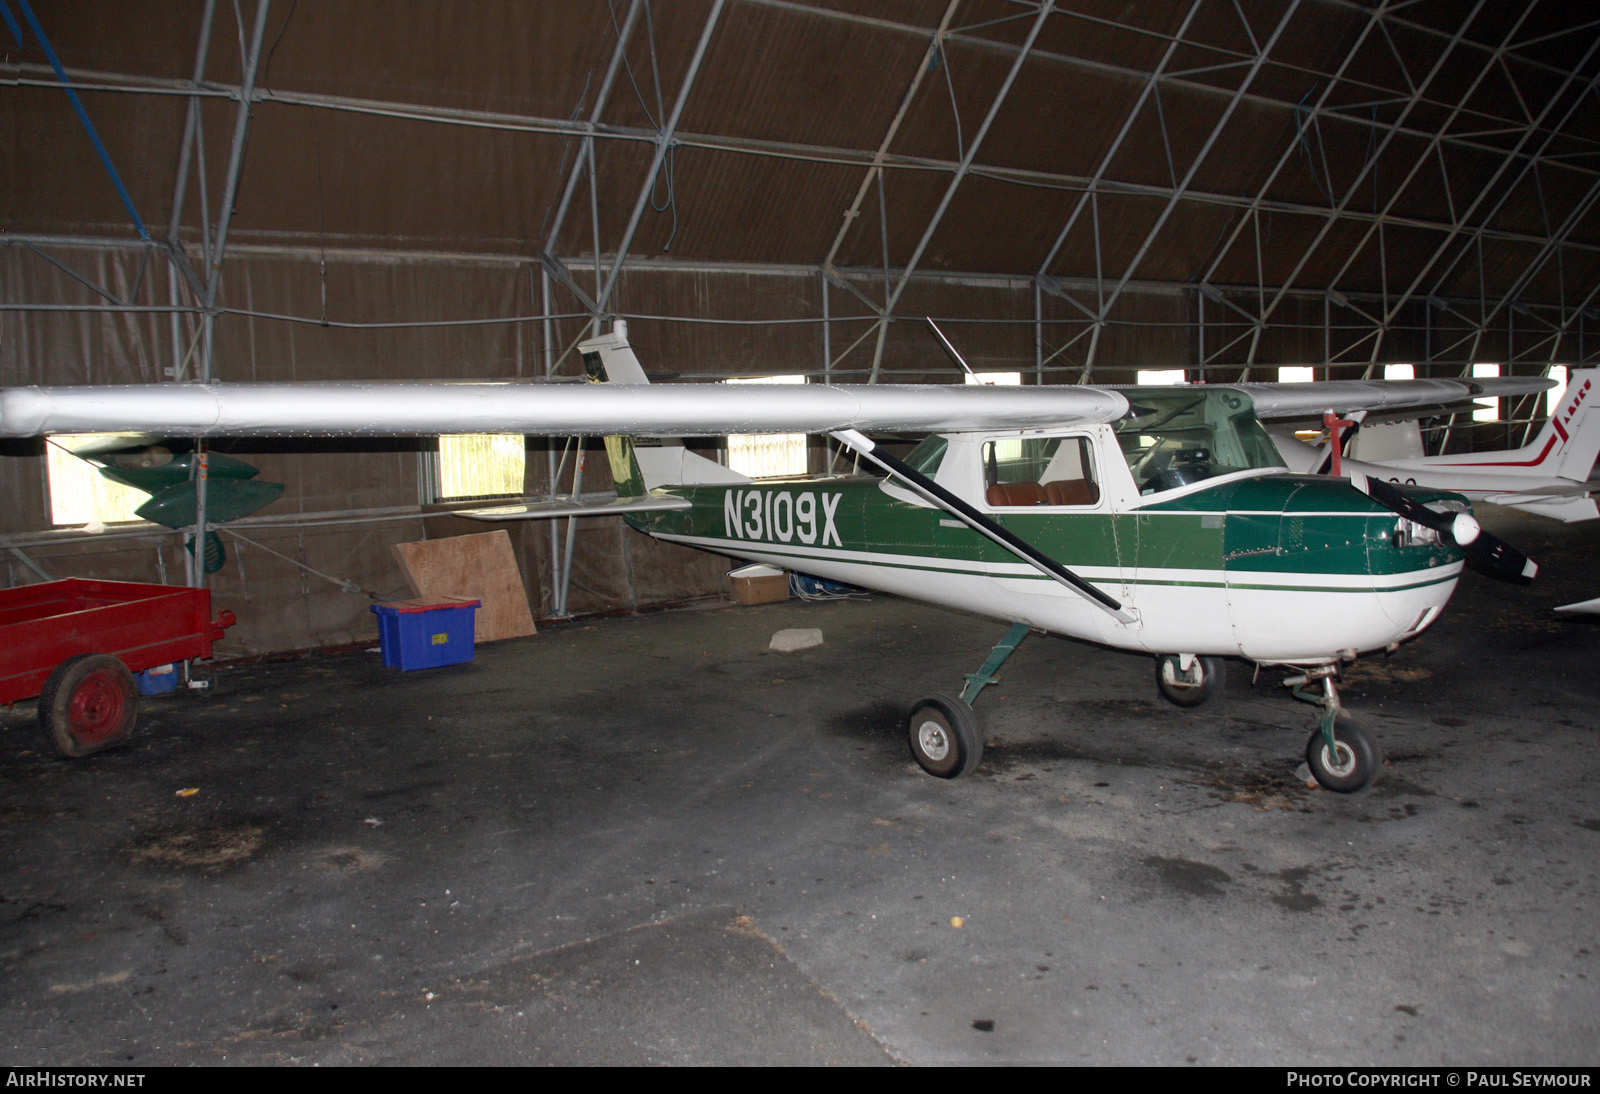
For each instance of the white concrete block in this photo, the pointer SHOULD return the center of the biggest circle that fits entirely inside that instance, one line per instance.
(800, 638)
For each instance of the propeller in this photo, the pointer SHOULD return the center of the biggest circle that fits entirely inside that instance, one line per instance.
(1485, 551)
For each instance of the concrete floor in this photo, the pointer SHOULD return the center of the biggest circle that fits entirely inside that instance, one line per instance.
(648, 840)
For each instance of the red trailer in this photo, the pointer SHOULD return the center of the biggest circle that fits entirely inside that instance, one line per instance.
(77, 643)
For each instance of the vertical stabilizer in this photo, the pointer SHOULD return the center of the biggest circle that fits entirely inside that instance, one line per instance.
(1578, 423)
(1567, 445)
(609, 359)
(640, 465)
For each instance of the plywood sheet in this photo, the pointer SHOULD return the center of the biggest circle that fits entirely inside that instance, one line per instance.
(480, 566)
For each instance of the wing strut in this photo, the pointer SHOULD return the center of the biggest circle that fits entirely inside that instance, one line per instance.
(953, 505)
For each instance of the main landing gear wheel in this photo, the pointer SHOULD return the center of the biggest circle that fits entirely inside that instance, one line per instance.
(1349, 765)
(944, 736)
(88, 703)
(1204, 679)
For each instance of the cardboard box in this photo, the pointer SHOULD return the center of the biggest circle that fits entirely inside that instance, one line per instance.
(758, 584)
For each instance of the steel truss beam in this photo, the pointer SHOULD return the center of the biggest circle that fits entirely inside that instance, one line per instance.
(1483, 189)
(1392, 307)
(1178, 192)
(1238, 59)
(965, 165)
(585, 164)
(819, 153)
(846, 279)
(880, 157)
(663, 142)
(1522, 117)
(1333, 215)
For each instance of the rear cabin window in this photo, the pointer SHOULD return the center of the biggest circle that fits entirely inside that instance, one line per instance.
(1025, 471)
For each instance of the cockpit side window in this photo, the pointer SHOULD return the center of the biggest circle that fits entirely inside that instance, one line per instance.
(1026, 471)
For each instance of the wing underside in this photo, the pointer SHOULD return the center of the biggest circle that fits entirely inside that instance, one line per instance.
(654, 410)
(584, 505)
(554, 409)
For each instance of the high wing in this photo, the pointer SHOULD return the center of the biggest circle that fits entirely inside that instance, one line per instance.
(554, 409)
(632, 408)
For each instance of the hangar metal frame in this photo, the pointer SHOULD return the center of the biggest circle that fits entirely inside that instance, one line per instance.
(1559, 242)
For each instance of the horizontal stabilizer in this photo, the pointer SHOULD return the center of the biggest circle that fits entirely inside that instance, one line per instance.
(1568, 509)
(584, 505)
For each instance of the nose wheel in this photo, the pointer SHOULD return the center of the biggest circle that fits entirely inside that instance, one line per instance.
(1346, 765)
(1341, 756)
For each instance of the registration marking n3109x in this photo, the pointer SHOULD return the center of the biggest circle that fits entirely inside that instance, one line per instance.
(781, 515)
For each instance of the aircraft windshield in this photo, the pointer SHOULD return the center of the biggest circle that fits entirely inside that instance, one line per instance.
(928, 455)
(1174, 437)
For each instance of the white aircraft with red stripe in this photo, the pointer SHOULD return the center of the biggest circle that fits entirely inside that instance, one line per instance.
(1553, 476)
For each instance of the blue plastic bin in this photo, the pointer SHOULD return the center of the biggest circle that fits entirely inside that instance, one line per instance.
(157, 681)
(426, 633)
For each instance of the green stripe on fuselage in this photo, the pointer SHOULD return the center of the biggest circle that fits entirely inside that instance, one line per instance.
(1253, 528)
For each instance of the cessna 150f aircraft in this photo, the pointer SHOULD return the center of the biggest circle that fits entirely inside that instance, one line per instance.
(1552, 476)
(1153, 519)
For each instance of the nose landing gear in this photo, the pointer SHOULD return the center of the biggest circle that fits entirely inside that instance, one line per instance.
(1341, 756)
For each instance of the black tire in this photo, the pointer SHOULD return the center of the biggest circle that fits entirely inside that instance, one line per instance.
(1204, 679)
(89, 703)
(945, 737)
(1352, 768)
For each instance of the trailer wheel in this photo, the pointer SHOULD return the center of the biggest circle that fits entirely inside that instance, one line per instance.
(88, 703)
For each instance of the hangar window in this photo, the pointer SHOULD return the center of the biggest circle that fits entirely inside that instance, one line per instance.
(994, 379)
(476, 465)
(1486, 410)
(1552, 398)
(1158, 376)
(79, 494)
(767, 455)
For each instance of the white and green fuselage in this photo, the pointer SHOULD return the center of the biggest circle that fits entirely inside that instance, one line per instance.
(1248, 562)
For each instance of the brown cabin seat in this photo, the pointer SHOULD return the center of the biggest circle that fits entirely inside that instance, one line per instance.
(1071, 492)
(1015, 493)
